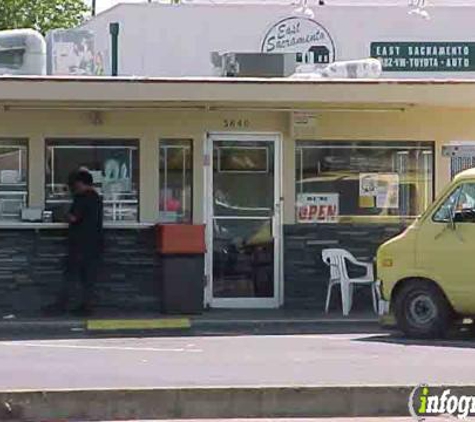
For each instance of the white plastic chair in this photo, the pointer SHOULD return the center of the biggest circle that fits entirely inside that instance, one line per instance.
(337, 259)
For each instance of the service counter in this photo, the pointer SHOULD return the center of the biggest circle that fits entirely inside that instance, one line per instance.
(32, 259)
(49, 226)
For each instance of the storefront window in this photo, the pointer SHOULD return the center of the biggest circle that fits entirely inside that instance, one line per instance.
(13, 179)
(176, 181)
(362, 181)
(114, 166)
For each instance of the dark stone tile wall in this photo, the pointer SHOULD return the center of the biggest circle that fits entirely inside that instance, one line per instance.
(32, 262)
(305, 274)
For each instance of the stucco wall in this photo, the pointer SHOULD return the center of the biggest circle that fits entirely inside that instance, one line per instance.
(167, 40)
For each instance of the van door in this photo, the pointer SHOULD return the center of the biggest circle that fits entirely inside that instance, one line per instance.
(447, 255)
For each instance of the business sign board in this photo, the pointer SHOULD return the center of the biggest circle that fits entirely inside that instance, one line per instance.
(425, 56)
(318, 207)
(304, 36)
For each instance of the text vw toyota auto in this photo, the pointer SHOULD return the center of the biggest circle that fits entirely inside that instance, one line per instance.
(427, 273)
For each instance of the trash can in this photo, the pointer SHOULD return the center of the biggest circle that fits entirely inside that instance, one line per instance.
(181, 248)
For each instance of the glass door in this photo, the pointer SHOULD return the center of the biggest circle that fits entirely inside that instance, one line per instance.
(243, 221)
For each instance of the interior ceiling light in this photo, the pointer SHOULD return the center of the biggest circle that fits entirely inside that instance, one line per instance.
(418, 8)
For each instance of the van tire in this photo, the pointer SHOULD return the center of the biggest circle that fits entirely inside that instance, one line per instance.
(422, 311)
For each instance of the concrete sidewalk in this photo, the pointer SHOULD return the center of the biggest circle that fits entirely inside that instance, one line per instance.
(211, 322)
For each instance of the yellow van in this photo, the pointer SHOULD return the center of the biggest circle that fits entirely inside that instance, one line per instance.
(427, 274)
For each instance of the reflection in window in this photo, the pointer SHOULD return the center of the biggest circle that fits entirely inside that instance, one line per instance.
(13, 179)
(447, 208)
(243, 178)
(238, 159)
(114, 166)
(243, 258)
(176, 181)
(364, 181)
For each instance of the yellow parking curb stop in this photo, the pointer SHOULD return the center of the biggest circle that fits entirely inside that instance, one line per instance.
(137, 324)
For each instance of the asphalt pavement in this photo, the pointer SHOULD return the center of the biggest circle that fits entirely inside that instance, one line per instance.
(303, 360)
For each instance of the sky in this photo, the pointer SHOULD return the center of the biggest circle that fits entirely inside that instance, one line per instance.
(105, 4)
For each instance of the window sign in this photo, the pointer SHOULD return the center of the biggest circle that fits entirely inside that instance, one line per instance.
(425, 56)
(368, 184)
(379, 189)
(317, 208)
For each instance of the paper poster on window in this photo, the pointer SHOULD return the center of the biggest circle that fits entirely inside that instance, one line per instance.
(368, 184)
(388, 191)
(318, 207)
(380, 190)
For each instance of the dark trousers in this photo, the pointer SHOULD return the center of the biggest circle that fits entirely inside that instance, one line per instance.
(80, 270)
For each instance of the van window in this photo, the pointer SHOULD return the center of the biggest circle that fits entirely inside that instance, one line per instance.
(442, 215)
(467, 198)
(462, 198)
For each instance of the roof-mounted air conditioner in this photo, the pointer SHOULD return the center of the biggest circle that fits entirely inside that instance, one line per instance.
(254, 64)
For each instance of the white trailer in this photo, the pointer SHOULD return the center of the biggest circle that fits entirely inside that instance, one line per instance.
(22, 52)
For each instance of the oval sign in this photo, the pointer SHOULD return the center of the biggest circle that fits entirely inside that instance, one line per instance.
(304, 36)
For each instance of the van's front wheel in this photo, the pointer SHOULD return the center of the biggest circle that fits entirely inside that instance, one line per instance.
(422, 311)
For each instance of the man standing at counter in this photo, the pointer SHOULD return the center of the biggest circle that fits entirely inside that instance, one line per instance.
(84, 243)
(85, 239)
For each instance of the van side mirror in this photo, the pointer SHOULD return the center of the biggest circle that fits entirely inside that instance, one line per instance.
(466, 215)
(457, 217)
(451, 224)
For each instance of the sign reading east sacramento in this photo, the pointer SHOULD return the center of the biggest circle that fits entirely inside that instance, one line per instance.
(425, 56)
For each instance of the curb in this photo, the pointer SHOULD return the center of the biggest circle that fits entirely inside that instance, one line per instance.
(187, 326)
(204, 402)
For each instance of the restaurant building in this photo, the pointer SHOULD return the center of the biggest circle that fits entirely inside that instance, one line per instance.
(276, 169)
